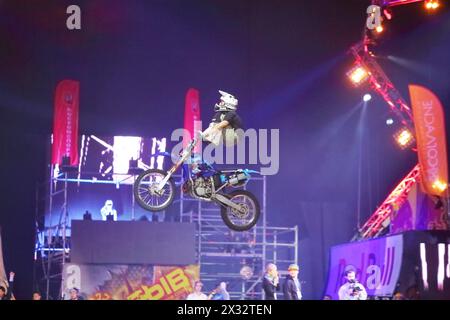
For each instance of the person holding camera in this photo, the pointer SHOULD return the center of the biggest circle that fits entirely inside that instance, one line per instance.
(352, 289)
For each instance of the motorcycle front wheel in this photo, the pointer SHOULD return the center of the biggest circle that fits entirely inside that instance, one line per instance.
(146, 193)
(247, 217)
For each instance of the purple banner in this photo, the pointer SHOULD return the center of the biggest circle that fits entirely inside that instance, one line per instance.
(376, 262)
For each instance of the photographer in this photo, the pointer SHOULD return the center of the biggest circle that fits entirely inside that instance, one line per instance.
(352, 289)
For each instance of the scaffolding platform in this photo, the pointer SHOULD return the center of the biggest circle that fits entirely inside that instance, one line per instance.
(238, 258)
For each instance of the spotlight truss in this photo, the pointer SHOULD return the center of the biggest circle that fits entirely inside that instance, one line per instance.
(381, 84)
(393, 3)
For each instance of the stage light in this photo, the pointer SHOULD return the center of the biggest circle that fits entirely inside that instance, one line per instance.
(404, 138)
(431, 4)
(367, 97)
(388, 13)
(439, 185)
(389, 121)
(379, 29)
(358, 75)
(246, 272)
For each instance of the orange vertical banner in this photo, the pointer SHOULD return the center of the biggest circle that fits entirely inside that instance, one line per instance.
(431, 140)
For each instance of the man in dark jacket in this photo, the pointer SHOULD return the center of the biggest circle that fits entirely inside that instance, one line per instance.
(292, 289)
(271, 282)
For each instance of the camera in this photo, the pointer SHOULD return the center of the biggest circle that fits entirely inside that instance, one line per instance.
(356, 289)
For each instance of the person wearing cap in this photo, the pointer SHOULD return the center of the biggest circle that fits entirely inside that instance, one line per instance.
(197, 294)
(271, 282)
(292, 289)
(225, 121)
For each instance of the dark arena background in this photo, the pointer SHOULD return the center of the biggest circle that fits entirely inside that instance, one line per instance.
(350, 188)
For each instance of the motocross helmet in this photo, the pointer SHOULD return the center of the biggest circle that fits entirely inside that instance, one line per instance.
(227, 102)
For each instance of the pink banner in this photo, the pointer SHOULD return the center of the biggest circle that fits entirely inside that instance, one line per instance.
(65, 122)
(192, 120)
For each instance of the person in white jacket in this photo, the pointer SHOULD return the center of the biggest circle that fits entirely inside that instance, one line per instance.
(352, 289)
(197, 294)
(108, 210)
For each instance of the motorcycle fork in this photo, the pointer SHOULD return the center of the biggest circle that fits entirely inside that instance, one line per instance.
(174, 168)
(225, 201)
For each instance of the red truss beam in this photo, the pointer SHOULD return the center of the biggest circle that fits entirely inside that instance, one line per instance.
(392, 3)
(381, 218)
(381, 84)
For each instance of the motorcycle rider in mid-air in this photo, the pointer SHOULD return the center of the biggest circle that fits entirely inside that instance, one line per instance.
(154, 189)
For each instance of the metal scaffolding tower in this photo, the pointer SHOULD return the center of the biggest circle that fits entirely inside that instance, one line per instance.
(52, 247)
(238, 258)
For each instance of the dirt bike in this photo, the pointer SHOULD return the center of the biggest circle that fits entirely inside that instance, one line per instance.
(154, 189)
